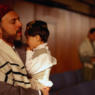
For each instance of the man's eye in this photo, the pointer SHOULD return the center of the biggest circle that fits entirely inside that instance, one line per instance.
(12, 21)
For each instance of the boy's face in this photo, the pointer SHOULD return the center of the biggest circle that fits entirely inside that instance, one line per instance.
(33, 41)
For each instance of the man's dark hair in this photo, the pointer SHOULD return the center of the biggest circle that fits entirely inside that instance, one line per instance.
(4, 9)
(37, 27)
(92, 30)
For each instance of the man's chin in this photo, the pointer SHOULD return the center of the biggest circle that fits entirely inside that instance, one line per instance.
(12, 37)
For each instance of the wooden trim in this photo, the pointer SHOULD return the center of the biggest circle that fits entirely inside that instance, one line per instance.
(59, 5)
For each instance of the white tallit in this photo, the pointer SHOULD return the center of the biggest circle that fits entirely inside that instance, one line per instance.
(86, 48)
(12, 69)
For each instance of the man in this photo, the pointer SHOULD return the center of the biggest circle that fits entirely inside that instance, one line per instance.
(87, 56)
(13, 75)
(20, 47)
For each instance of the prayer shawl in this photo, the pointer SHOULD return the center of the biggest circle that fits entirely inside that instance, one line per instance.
(38, 64)
(86, 48)
(87, 51)
(12, 70)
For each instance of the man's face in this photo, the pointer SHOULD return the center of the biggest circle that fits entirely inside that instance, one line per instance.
(10, 25)
(92, 36)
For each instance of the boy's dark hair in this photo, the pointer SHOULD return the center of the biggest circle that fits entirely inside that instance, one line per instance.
(92, 30)
(37, 27)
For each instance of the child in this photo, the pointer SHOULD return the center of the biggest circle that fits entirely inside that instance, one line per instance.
(38, 57)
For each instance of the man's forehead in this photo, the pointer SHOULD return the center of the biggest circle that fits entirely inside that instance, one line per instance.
(11, 15)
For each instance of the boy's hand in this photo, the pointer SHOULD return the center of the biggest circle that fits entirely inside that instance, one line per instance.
(28, 48)
(45, 90)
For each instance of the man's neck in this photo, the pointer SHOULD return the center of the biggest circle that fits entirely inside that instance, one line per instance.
(9, 42)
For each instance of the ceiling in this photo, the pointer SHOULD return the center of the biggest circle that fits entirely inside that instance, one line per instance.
(86, 7)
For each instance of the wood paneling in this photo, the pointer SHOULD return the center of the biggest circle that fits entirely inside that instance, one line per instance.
(67, 31)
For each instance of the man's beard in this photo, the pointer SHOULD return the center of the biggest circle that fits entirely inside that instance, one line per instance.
(7, 37)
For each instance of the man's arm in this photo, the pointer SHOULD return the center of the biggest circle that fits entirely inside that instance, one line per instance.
(7, 89)
(84, 53)
(85, 59)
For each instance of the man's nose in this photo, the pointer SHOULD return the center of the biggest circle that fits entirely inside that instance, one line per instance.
(19, 24)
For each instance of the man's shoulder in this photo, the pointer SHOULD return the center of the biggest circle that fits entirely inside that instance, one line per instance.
(84, 42)
(22, 52)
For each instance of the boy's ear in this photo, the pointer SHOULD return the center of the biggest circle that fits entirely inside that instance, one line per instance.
(38, 38)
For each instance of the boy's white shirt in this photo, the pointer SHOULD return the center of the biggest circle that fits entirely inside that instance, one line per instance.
(40, 63)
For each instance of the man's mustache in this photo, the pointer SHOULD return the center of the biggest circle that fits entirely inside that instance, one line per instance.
(19, 31)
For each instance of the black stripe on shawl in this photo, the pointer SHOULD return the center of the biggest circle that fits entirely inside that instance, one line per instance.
(10, 71)
(6, 78)
(7, 63)
(21, 81)
(17, 65)
(23, 67)
(19, 73)
(14, 64)
(4, 65)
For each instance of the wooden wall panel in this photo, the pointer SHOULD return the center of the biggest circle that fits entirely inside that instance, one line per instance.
(67, 31)
(26, 13)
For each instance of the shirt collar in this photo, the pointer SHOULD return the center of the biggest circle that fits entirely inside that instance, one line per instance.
(44, 45)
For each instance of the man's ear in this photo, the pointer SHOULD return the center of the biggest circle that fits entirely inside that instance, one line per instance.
(0, 23)
(0, 31)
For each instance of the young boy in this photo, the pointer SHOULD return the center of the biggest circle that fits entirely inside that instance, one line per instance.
(38, 57)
